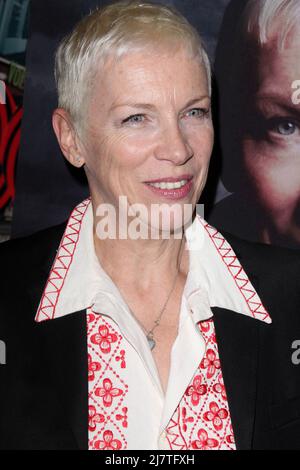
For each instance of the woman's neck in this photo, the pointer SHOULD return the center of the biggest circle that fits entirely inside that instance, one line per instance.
(142, 263)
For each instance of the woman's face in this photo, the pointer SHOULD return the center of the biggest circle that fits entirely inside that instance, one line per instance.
(272, 148)
(149, 119)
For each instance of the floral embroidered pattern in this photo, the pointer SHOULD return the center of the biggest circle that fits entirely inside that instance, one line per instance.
(104, 339)
(211, 363)
(220, 388)
(108, 411)
(196, 390)
(107, 392)
(216, 415)
(94, 418)
(202, 419)
(204, 442)
(108, 442)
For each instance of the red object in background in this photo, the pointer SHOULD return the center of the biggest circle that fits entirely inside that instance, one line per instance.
(10, 132)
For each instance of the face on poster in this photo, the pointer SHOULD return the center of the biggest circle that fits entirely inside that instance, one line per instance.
(261, 145)
(271, 143)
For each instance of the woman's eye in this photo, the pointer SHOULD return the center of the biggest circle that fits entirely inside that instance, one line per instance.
(135, 119)
(283, 126)
(198, 112)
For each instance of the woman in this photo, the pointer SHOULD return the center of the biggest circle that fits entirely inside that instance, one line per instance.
(137, 309)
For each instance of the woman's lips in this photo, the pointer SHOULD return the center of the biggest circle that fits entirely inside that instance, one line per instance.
(174, 193)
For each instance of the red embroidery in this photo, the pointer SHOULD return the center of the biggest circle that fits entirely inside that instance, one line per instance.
(108, 443)
(186, 419)
(121, 358)
(107, 392)
(230, 439)
(256, 308)
(61, 264)
(202, 420)
(216, 415)
(176, 432)
(210, 362)
(123, 417)
(205, 325)
(92, 367)
(104, 339)
(90, 317)
(220, 388)
(196, 390)
(94, 418)
(204, 442)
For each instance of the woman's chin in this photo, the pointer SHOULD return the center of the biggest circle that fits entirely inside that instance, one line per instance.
(165, 224)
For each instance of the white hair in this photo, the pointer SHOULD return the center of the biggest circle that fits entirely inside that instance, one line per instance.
(110, 32)
(259, 19)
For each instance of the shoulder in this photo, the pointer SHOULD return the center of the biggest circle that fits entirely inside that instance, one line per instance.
(234, 215)
(262, 256)
(25, 264)
(22, 255)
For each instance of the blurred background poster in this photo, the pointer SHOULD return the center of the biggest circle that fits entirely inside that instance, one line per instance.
(13, 41)
(257, 73)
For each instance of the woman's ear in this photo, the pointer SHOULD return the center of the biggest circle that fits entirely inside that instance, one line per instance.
(67, 137)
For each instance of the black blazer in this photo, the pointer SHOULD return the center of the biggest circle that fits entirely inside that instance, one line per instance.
(44, 388)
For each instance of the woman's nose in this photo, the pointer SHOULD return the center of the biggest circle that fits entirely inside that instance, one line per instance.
(173, 145)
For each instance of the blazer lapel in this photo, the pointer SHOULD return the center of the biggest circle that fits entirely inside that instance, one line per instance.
(237, 339)
(62, 342)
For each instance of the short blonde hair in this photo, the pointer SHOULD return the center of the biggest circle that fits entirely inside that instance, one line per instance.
(260, 15)
(114, 30)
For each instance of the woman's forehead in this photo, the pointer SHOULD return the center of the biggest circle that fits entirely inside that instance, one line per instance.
(139, 74)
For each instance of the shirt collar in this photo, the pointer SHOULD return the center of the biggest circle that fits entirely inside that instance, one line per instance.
(215, 279)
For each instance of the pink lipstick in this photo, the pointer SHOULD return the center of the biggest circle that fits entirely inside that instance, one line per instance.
(173, 188)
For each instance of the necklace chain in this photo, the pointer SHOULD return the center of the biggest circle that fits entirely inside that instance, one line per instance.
(149, 333)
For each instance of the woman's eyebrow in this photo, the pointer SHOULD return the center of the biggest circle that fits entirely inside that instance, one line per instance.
(133, 105)
(151, 106)
(196, 100)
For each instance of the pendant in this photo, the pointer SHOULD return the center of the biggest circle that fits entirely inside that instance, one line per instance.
(151, 341)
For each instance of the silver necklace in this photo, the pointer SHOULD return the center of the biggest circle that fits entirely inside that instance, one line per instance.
(150, 334)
